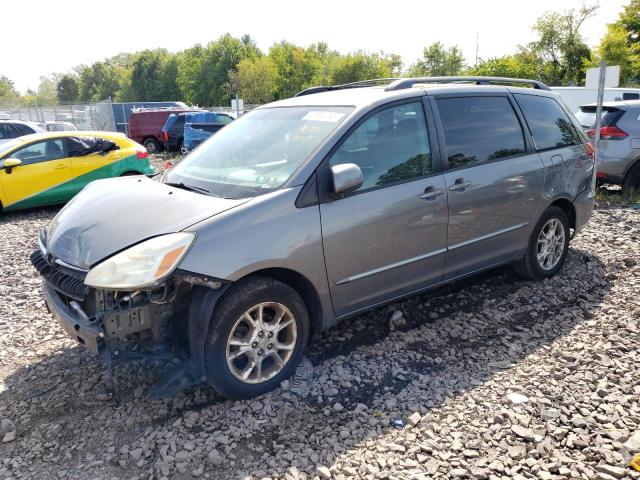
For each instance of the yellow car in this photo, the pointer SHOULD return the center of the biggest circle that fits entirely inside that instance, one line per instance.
(50, 168)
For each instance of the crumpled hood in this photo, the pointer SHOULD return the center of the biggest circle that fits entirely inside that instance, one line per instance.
(110, 215)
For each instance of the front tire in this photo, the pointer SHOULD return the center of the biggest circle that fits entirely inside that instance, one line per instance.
(257, 337)
(548, 246)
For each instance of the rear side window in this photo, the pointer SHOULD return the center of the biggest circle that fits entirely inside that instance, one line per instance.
(549, 124)
(479, 129)
(23, 129)
(6, 131)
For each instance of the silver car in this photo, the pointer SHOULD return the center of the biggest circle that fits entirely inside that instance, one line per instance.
(310, 210)
(619, 156)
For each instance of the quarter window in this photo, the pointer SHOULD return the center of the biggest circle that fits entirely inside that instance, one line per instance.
(40, 152)
(549, 124)
(391, 146)
(479, 129)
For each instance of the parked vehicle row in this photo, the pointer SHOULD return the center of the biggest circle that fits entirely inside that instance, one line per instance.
(167, 128)
(310, 210)
(185, 131)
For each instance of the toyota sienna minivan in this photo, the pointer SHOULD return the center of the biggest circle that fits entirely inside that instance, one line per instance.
(313, 209)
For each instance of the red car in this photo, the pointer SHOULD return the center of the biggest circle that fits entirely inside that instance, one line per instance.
(145, 126)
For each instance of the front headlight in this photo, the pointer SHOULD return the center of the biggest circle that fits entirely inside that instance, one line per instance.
(143, 265)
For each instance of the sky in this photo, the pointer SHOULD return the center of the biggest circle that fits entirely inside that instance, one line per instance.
(43, 36)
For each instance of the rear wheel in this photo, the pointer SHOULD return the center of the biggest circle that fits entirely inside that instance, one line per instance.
(151, 145)
(631, 181)
(548, 246)
(256, 338)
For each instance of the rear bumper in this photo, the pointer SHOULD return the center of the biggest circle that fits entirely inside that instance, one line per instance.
(583, 204)
(74, 325)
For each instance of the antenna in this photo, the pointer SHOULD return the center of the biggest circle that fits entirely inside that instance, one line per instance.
(477, 41)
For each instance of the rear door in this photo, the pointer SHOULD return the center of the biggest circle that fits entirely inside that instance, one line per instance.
(44, 177)
(561, 148)
(87, 166)
(388, 238)
(493, 177)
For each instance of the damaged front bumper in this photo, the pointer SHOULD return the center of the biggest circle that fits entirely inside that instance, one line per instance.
(73, 320)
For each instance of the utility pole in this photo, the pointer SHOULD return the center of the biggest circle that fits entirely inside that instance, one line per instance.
(477, 41)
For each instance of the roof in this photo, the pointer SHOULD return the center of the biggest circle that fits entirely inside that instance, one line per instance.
(69, 133)
(364, 96)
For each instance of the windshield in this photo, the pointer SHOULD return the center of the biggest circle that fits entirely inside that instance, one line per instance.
(9, 144)
(257, 153)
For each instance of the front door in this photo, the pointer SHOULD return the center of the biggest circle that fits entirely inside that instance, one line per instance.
(388, 238)
(44, 177)
(494, 182)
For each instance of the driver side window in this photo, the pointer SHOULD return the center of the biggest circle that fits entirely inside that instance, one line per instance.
(389, 147)
(40, 152)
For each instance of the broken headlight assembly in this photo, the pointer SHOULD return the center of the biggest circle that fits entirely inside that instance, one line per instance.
(144, 265)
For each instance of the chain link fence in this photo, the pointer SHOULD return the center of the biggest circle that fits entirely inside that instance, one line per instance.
(85, 116)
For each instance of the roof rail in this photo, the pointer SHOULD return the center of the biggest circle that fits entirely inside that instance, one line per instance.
(403, 83)
(360, 84)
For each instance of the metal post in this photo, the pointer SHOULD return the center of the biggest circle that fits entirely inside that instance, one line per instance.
(237, 107)
(596, 140)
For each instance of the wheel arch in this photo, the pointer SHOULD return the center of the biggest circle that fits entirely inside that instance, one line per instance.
(631, 169)
(302, 285)
(568, 208)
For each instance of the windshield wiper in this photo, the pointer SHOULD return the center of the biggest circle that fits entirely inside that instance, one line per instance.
(192, 188)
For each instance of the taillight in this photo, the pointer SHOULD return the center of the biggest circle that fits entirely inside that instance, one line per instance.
(165, 136)
(140, 154)
(590, 151)
(608, 133)
(601, 176)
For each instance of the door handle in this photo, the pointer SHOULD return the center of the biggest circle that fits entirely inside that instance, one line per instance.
(430, 193)
(60, 166)
(459, 185)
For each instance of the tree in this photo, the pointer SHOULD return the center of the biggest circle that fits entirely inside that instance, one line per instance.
(68, 88)
(255, 80)
(8, 93)
(358, 66)
(203, 72)
(437, 61)
(560, 45)
(47, 92)
(297, 68)
(154, 76)
(520, 65)
(621, 45)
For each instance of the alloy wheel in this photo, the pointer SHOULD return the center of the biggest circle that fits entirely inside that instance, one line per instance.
(261, 342)
(551, 244)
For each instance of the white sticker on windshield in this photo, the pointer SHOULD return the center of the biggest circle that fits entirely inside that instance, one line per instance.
(323, 116)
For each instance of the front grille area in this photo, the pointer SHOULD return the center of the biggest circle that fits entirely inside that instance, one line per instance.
(69, 285)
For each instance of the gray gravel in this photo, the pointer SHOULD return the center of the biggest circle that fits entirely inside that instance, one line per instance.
(490, 378)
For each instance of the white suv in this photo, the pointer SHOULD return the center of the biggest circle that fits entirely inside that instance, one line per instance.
(16, 128)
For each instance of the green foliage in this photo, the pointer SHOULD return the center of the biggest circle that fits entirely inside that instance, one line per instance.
(520, 65)
(154, 75)
(437, 60)
(68, 88)
(8, 94)
(362, 66)
(621, 45)
(255, 80)
(560, 46)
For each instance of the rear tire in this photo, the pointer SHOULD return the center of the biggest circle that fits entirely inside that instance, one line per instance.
(631, 181)
(548, 246)
(256, 339)
(151, 145)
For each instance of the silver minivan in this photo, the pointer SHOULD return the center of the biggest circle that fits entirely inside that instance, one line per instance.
(313, 209)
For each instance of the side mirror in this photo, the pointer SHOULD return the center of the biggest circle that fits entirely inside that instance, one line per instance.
(10, 163)
(347, 177)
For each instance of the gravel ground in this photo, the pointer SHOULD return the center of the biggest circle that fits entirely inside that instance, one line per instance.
(489, 378)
